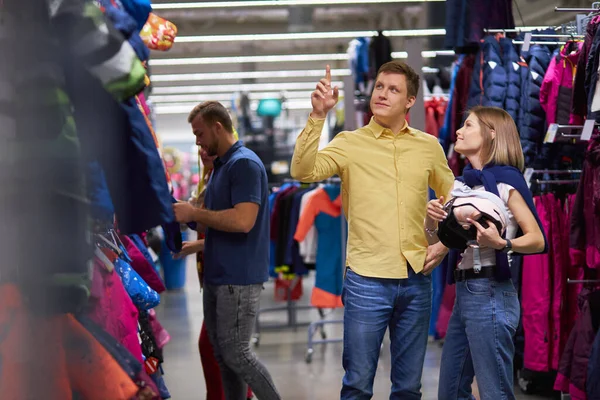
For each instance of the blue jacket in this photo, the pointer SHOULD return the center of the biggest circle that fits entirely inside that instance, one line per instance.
(489, 83)
(513, 74)
(532, 118)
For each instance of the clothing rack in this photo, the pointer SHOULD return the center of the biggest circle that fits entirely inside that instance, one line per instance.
(556, 182)
(583, 281)
(291, 308)
(587, 132)
(320, 325)
(577, 10)
(529, 172)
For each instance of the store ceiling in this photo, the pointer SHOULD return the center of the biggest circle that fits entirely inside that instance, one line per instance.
(201, 78)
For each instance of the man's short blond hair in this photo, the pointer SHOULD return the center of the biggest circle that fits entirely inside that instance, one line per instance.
(212, 112)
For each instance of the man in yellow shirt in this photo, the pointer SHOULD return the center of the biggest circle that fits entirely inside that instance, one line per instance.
(386, 169)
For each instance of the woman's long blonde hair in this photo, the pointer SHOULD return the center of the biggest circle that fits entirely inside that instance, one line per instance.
(505, 148)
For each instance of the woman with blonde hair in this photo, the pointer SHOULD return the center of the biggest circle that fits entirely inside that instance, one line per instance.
(479, 341)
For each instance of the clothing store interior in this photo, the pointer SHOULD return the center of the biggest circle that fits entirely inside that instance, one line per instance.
(116, 313)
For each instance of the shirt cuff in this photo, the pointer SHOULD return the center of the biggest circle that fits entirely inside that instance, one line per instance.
(314, 123)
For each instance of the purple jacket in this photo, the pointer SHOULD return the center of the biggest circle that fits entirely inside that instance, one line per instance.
(572, 371)
(556, 93)
(585, 220)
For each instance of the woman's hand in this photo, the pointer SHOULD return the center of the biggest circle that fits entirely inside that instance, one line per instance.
(435, 210)
(189, 248)
(488, 236)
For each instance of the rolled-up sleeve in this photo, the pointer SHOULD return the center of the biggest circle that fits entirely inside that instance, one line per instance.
(311, 165)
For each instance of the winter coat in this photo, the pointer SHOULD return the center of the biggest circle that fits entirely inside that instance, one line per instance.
(556, 92)
(512, 66)
(489, 81)
(466, 20)
(532, 117)
(580, 104)
(591, 78)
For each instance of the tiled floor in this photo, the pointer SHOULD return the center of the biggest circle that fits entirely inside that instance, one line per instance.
(283, 352)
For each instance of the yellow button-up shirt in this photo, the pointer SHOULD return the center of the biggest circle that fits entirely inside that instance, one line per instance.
(385, 182)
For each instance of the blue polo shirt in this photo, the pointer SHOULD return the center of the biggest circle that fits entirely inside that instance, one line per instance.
(237, 258)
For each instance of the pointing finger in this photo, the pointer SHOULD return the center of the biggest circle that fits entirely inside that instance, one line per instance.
(328, 73)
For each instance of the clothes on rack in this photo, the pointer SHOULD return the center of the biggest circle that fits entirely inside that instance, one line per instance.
(574, 364)
(544, 289)
(324, 211)
(380, 52)
(467, 19)
(585, 220)
(531, 121)
(435, 113)
(556, 93)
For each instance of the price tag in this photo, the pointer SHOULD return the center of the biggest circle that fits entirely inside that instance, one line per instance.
(527, 175)
(551, 133)
(526, 42)
(588, 129)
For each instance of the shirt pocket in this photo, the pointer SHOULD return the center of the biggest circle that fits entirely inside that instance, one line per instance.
(415, 172)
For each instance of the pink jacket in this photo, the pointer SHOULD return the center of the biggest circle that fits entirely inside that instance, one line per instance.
(556, 93)
(111, 307)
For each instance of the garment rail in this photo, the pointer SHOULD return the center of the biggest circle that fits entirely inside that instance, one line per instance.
(320, 325)
(583, 281)
(556, 182)
(291, 308)
(576, 10)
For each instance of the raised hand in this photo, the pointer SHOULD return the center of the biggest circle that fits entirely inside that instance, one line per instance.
(324, 98)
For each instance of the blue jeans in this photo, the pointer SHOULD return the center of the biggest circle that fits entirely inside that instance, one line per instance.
(479, 341)
(371, 306)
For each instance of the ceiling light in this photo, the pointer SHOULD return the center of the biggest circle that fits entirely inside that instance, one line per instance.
(277, 58)
(275, 3)
(214, 76)
(226, 96)
(185, 108)
(249, 59)
(249, 87)
(308, 35)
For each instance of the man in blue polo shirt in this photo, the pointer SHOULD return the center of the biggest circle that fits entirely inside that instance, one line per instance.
(236, 251)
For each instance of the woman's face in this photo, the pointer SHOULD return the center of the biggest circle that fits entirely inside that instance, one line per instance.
(207, 161)
(469, 139)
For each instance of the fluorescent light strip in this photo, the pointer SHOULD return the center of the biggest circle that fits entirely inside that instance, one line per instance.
(219, 76)
(249, 87)
(276, 3)
(249, 59)
(308, 36)
(185, 108)
(279, 58)
(226, 96)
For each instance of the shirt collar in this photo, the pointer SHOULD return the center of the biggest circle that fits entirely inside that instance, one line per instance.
(377, 130)
(227, 156)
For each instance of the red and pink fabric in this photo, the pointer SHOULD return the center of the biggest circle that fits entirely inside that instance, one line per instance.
(112, 309)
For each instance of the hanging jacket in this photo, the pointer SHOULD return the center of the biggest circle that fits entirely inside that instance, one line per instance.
(580, 103)
(585, 220)
(556, 92)
(591, 78)
(532, 118)
(380, 52)
(572, 371)
(466, 20)
(593, 383)
(512, 66)
(489, 82)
